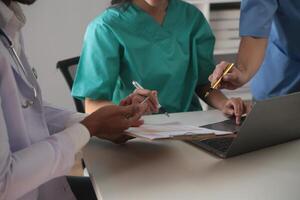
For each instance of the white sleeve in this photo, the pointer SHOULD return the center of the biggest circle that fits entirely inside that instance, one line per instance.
(27, 169)
(58, 118)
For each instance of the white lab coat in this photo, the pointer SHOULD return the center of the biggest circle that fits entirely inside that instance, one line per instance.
(37, 144)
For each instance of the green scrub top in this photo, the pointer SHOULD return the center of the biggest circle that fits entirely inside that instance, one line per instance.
(123, 45)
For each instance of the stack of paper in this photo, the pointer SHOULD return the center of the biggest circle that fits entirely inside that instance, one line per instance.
(174, 130)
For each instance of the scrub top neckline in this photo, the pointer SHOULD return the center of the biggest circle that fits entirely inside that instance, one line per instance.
(166, 17)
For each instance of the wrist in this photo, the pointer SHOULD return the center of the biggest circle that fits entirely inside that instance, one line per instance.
(223, 103)
(88, 127)
(217, 100)
(78, 135)
(245, 74)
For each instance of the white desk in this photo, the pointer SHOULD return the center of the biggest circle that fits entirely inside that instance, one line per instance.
(171, 170)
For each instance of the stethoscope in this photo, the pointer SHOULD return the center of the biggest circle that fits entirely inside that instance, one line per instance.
(9, 45)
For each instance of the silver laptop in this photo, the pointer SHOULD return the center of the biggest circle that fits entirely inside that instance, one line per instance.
(271, 122)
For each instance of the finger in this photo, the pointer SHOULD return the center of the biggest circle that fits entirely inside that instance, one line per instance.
(210, 78)
(151, 107)
(135, 113)
(148, 111)
(131, 110)
(238, 119)
(230, 77)
(137, 99)
(154, 101)
(123, 102)
(239, 104)
(228, 112)
(152, 97)
(122, 139)
(228, 109)
(143, 92)
(137, 123)
(134, 120)
(238, 109)
(219, 71)
(128, 100)
(154, 93)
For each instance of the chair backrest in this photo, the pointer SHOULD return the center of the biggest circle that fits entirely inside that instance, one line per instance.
(68, 69)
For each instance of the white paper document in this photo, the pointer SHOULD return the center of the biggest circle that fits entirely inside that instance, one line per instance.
(169, 130)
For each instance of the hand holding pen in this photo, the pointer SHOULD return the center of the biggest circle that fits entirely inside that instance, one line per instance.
(145, 97)
(145, 93)
(216, 82)
(233, 79)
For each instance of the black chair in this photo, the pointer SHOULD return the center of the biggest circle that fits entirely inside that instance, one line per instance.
(68, 69)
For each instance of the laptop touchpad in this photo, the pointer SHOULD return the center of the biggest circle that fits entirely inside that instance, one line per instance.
(227, 125)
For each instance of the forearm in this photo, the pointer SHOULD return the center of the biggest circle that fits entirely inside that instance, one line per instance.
(40, 162)
(251, 55)
(215, 98)
(93, 105)
(59, 118)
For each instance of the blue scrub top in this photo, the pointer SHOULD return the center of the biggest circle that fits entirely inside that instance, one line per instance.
(280, 21)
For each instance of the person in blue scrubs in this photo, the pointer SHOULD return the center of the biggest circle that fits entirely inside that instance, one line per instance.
(165, 45)
(269, 49)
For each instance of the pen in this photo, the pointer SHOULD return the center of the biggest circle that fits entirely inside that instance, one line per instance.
(162, 109)
(214, 86)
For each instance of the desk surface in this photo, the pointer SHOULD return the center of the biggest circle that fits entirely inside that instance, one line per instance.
(145, 170)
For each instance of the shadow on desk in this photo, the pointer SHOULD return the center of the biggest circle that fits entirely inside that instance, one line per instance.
(264, 162)
(128, 157)
(176, 170)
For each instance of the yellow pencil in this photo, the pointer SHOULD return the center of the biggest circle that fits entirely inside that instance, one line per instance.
(215, 85)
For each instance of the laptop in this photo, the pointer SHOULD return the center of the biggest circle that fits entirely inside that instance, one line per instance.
(271, 122)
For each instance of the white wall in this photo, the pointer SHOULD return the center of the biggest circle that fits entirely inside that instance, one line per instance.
(54, 31)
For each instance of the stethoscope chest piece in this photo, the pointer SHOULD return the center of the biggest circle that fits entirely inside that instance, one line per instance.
(27, 104)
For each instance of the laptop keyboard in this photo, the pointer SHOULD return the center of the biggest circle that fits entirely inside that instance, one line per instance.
(220, 144)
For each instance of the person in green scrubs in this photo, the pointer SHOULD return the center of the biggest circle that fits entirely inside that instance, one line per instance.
(165, 45)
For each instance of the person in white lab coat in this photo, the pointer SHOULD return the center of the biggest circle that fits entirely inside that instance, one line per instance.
(38, 142)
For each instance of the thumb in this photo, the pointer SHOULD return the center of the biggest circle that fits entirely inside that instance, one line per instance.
(130, 110)
(134, 110)
(230, 77)
(228, 109)
(210, 78)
